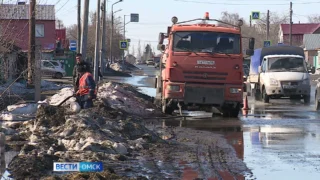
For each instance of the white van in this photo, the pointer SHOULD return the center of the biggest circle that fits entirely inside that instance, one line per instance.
(52, 68)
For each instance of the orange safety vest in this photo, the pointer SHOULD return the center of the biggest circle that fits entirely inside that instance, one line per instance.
(83, 87)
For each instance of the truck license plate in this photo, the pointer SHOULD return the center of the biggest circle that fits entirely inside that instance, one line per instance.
(205, 62)
(289, 86)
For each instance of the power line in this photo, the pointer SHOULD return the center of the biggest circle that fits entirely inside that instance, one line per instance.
(245, 4)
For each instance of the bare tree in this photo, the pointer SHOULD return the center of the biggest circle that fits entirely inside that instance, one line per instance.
(258, 30)
(59, 24)
(315, 18)
(139, 50)
(117, 36)
(133, 50)
(231, 18)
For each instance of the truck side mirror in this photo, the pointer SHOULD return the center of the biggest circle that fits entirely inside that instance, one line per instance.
(259, 69)
(251, 43)
(161, 38)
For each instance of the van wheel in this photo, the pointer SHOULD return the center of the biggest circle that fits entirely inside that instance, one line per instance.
(317, 105)
(265, 96)
(58, 75)
(257, 94)
(306, 99)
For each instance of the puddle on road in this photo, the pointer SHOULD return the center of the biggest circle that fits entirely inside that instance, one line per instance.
(145, 84)
(281, 144)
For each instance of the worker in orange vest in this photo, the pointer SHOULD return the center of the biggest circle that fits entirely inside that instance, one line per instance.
(87, 88)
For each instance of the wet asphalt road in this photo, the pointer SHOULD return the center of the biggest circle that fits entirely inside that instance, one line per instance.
(279, 140)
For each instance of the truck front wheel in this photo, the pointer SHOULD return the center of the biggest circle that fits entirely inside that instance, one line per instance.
(231, 112)
(167, 108)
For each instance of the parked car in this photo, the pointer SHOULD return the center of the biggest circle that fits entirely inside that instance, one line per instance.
(52, 68)
(317, 96)
(150, 62)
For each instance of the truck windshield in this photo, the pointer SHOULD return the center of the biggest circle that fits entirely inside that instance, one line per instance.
(294, 64)
(215, 42)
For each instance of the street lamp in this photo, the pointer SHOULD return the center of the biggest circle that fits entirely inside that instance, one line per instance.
(124, 32)
(111, 38)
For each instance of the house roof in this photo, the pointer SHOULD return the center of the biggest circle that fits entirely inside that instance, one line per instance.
(308, 28)
(311, 41)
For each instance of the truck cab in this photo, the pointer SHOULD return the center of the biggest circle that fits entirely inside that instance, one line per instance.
(203, 67)
(282, 72)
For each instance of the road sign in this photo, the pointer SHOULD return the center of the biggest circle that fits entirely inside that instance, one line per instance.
(134, 17)
(255, 15)
(266, 43)
(129, 40)
(124, 45)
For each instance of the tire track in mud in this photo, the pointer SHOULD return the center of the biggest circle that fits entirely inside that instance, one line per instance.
(222, 161)
(212, 163)
(167, 156)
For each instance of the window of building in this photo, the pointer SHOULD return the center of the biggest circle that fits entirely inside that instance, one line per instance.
(39, 30)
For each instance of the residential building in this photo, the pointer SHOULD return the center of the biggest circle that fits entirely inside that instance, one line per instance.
(311, 44)
(14, 25)
(298, 30)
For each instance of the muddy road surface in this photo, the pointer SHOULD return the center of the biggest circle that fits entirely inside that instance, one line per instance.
(279, 140)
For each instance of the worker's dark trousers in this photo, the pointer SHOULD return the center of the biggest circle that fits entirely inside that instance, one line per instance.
(84, 102)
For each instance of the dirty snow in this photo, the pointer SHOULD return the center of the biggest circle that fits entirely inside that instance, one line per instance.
(110, 132)
(20, 88)
(127, 67)
(120, 98)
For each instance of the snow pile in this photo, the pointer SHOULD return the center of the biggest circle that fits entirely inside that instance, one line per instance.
(20, 88)
(91, 135)
(117, 67)
(128, 99)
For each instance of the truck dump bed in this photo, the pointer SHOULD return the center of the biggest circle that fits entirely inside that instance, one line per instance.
(257, 58)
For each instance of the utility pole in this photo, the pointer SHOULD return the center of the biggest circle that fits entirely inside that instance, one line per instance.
(32, 42)
(84, 32)
(79, 27)
(37, 71)
(124, 35)
(112, 27)
(103, 37)
(250, 19)
(268, 24)
(111, 38)
(290, 35)
(97, 49)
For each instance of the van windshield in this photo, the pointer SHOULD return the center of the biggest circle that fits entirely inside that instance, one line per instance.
(215, 42)
(282, 64)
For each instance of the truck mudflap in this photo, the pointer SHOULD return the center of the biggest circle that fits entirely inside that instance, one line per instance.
(203, 95)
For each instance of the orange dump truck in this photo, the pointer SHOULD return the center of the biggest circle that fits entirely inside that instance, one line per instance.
(202, 66)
